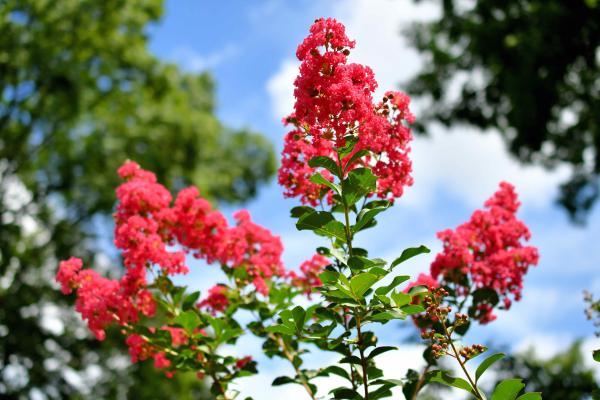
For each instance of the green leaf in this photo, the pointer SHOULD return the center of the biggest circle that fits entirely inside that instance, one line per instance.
(409, 386)
(400, 299)
(325, 162)
(395, 282)
(380, 350)
(329, 277)
(354, 157)
(360, 263)
(299, 211)
(282, 380)
(190, 300)
(412, 309)
(388, 315)
(485, 364)
(351, 360)
(445, 379)
(283, 329)
(320, 180)
(381, 392)
(188, 320)
(229, 333)
(351, 141)
(359, 183)
(508, 389)
(531, 396)
(366, 216)
(419, 289)
(408, 254)
(596, 355)
(345, 393)
(322, 223)
(336, 370)
(362, 282)
(299, 316)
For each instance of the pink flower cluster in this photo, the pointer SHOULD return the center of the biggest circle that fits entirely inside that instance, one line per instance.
(487, 252)
(334, 100)
(217, 300)
(103, 301)
(147, 227)
(311, 269)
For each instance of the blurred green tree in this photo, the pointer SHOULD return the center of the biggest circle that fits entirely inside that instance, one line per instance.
(79, 94)
(529, 68)
(562, 377)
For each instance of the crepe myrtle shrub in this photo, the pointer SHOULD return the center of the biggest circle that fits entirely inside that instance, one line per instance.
(346, 157)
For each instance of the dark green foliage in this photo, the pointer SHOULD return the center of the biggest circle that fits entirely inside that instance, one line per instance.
(79, 94)
(562, 377)
(528, 68)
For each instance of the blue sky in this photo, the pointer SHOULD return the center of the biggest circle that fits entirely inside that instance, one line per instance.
(249, 47)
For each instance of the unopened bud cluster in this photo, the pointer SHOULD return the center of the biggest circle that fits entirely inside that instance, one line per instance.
(440, 334)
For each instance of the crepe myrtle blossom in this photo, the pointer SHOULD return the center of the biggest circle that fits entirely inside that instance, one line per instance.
(154, 234)
(486, 253)
(334, 104)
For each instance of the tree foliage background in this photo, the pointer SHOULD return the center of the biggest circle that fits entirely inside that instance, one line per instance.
(528, 68)
(79, 94)
(563, 376)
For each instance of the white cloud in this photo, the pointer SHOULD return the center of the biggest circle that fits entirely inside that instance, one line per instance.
(190, 60)
(281, 88)
(469, 166)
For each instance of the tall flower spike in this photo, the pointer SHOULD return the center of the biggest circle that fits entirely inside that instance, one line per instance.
(334, 102)
(489, 251)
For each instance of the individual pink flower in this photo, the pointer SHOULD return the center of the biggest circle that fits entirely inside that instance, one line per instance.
(254, 248)
(310, 271)
(67, 274)
(217, 300)
(161, 360)
(101, 302)
(242, 362)
(197, 226)
(139, 348)
(145, 303)
(178, 335)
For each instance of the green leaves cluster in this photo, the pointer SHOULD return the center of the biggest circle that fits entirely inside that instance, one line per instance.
(356, 290)
(528, 88)
(508, 389)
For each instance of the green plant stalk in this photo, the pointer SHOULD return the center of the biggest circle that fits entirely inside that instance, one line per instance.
(348, 231)
(462, 364)
(286, 352)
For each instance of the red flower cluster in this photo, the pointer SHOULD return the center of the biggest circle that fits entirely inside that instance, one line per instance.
(334, 101)
(253, 247)
(310, 273)
(102, 301)
(217, 300)
(146, 227)
(487, 253)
